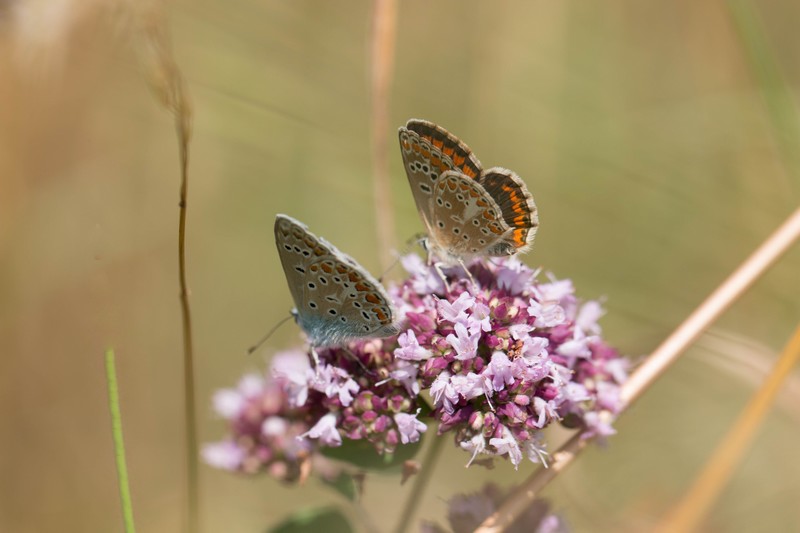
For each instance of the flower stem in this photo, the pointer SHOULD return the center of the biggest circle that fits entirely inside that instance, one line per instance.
(384, 31)
(655, 365)
(420, 483)
(119, 444)
(706, 488)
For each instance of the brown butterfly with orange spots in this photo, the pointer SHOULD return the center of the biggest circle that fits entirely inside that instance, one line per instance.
(467, 211)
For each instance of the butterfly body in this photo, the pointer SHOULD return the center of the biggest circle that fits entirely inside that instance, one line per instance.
(468, 211)
(336, 299)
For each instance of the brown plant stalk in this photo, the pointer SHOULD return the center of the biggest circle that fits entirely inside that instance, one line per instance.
(656, 364)
(705, 490)
(384, 30)
(166, 81)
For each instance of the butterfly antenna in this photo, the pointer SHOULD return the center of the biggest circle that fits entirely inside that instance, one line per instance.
(257, 345)
(415, 239)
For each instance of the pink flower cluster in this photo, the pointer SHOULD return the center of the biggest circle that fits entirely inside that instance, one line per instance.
(501, 354)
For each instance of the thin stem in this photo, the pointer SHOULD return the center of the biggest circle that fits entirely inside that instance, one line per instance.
(718, 470)
(192, 486)
(384, 31)
(420, 484)
(166, 81)
(119, 443)
(658, 362)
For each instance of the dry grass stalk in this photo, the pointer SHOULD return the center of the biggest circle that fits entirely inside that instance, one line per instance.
(663, 356)
(153, 44)
(705, 490)
(384, 30)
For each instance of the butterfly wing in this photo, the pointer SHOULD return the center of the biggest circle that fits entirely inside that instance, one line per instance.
(516, 204)
(428, 150)
(465, 221)
(336, 300)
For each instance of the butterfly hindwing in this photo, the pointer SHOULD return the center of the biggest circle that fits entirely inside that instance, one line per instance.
(465, 220)
(516, 204)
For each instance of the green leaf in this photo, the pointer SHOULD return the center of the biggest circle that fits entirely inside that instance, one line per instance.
(345, 485)
(328, 519)
(362, 454)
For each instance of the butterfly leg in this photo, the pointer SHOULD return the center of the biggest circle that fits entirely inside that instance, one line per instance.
(356, 360)
(438, 268)
(315, 359)
(469, 274)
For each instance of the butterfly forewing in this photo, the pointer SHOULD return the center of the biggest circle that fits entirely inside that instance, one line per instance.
(454, 152)
(427, 151)
(336, 299)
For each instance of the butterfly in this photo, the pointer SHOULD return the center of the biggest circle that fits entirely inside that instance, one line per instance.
(336, 299)
(468, 212)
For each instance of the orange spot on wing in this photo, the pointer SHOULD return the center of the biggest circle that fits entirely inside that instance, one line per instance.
(371, 298)
(326, 267)
(362, 287)
(519, 237)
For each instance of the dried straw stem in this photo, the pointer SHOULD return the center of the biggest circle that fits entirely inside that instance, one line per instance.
(165, 80)
(696, 502)
(663, 356)
(384, 31)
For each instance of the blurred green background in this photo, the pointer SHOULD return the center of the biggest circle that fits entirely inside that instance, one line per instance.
(658, 139)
